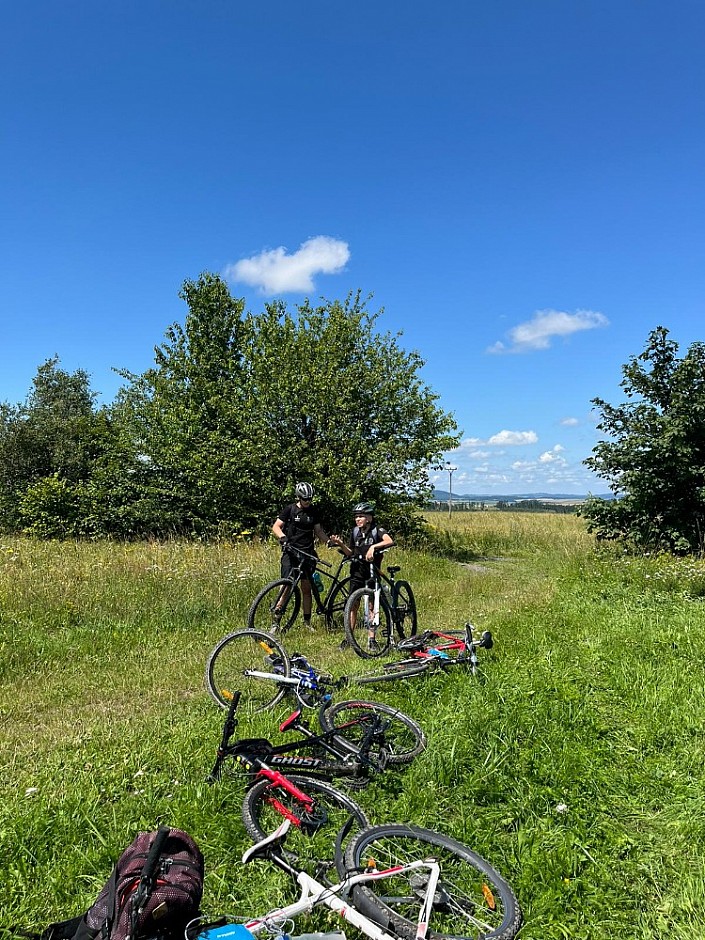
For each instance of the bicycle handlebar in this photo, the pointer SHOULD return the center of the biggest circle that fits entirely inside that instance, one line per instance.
(303, 554)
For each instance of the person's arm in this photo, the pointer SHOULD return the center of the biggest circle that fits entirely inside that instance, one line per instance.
(385, 541)
(339, 543)
(320, 533)
(278, 530)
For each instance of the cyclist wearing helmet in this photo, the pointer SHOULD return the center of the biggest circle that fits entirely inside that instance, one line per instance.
(366, 542)
(299, 525)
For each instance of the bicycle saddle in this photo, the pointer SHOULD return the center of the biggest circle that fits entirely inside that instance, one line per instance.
(413, 643)
(288, 722)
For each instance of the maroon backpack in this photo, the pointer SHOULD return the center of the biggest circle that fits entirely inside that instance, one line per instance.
(154, 891)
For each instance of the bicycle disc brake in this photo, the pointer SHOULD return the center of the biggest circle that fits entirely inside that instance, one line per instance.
(418, 882)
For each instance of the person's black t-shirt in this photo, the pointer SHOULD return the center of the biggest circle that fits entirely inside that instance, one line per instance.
(299, 525)
(359, 542)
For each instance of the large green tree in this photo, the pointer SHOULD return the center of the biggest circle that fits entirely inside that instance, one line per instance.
(187, 416)
(239, 406)
(654, 455)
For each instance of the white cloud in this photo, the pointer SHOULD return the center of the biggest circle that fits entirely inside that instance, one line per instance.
(570, 422)
(547, 324)
(514, 438)
(275, 271)
(471, 442)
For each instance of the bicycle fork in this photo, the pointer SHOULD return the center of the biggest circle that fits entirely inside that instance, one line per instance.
(372, 616)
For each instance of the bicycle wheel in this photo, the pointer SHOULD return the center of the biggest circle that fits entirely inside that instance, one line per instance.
(365, 639)
(403, 738)
(317, 838)
(239, 652)
(406, 669)
(334, 605)
(471, 899)
(262, 614)
(404, 608)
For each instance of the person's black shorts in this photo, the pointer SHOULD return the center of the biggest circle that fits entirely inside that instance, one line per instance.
(359, 579)
(290, 561)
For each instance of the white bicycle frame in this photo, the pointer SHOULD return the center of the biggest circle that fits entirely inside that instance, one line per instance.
(314, 893)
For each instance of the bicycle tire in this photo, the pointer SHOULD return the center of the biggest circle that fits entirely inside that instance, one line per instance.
(334, 605)
(394, 671)
(472, 900)
(357, 631)
(247, 649)
(404, 738)
(404, 609)
(321, 851)
(261, 614)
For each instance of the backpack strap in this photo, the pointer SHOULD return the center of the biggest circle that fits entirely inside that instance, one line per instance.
(147, 878)
(61, 930)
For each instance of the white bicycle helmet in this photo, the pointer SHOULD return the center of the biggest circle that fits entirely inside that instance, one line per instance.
(304, 491)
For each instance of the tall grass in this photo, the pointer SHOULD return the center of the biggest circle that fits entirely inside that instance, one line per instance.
(574, 764)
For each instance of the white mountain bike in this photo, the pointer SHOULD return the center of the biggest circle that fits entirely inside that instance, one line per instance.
(397, 882)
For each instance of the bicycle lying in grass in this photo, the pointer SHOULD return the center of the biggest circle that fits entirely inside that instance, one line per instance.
(433, 650)
(373, 613)
(277, 605)
(256, 665)
(353, 749)
(397, 882)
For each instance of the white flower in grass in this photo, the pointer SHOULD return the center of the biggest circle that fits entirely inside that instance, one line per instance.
(562, 808)
(30, 791)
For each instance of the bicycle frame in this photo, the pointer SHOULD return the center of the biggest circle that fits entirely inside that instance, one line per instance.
(259, 757)
(304, 681)
(314, 893)
(378, 581)
(298, 573)
(465, 646)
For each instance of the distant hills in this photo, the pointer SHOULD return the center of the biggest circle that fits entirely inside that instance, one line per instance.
(442, 496)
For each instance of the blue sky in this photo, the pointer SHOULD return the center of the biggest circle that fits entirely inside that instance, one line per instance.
(520, 185)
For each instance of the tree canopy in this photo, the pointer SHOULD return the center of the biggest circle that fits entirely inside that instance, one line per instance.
(654, 456)
(236, 408)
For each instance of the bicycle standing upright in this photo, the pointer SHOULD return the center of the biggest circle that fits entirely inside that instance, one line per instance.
(373, 613)
(277, 605)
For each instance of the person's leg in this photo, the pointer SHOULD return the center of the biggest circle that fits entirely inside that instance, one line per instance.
(355, 584)
(306, 601)
(286, 566)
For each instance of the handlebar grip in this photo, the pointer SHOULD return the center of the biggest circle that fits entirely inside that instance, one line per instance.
(237, 694)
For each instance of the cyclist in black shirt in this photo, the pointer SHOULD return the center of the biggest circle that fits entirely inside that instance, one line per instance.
(299, 525)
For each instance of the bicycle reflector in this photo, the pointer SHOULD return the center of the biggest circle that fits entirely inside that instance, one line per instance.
(266, 647)
(489, 897)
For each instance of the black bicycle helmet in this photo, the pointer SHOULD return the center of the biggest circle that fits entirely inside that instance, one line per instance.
(304, 491)
(365, 506)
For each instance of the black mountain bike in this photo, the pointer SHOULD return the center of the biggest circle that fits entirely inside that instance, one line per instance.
(373, 613)
(354, 751)
(277, 605)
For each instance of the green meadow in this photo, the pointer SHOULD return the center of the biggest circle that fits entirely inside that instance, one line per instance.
(574, 763)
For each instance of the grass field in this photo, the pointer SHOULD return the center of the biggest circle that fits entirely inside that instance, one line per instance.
(574, 764)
